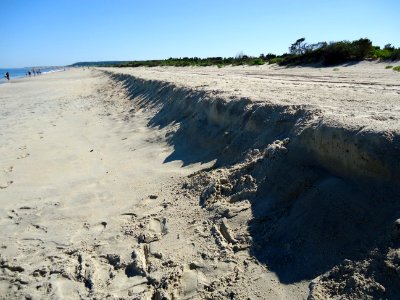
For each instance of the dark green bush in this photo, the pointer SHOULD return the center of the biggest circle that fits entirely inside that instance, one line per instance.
(337, 53)
(395, 54)
(361, 49)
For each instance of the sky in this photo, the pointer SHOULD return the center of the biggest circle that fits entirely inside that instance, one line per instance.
(62, 32)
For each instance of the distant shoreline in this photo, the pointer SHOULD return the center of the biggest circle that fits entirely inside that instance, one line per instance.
(19, 73)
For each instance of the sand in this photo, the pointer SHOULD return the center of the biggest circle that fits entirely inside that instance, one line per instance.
(201, 183)
(361, 94)
(73, 169)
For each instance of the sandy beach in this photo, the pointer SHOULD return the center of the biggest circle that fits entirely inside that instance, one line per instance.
(201, 183)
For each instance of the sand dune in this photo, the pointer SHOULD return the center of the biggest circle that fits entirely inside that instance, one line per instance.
(201, 183)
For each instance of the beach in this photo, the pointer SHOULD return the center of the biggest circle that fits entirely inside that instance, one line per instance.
(254, 182)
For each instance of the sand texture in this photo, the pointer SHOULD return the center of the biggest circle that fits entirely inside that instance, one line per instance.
(201, 183)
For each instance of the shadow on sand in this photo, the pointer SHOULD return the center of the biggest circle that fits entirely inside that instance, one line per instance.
(305, 219)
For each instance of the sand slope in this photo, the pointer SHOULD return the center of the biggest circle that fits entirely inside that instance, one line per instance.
(321, 182)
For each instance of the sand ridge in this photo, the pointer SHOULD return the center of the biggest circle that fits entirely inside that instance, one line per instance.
(363, 94)
(311, 196)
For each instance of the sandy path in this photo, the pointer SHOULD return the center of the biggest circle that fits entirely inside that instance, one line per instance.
(69, 168)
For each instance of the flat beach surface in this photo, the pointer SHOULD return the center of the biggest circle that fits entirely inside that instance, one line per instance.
(108, 191)
(363, 94)
(73, 170)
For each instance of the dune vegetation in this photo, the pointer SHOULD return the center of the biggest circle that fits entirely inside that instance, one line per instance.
(300, 53)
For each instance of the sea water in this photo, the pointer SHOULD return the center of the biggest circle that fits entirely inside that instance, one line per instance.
(22, 72)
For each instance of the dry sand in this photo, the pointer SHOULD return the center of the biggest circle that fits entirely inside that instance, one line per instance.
(201, 183)
(362, 94)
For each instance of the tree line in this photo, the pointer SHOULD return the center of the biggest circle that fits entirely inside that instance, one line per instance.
(300, 53)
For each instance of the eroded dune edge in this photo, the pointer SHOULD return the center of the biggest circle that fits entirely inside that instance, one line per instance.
(313, 199)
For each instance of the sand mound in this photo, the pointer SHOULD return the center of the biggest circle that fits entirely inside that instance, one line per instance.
(323, 194)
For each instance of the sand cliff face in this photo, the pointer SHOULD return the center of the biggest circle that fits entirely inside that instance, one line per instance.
(324, 192)
(236, 125)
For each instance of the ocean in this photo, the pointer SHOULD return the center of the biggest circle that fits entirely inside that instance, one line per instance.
(21, 72)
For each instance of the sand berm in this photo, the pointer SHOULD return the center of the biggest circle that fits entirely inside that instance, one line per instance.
(322, 180)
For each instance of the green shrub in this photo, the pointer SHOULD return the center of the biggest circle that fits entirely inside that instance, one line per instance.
(275, 60)
(257, 62)
(383, 54)
(396, 68)
(336, 69)
(388, 67)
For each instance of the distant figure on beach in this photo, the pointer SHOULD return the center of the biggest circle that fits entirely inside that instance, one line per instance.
(29, 73)
(34, 72)
(7, 75)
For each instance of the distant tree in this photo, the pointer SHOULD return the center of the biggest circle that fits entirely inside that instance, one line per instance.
(389, 47)
(240, 55)
(314, 47)
(298, 47)
(337, 52)
(361, 48)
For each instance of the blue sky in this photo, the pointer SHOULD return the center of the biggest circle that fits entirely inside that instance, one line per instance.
(60, 32)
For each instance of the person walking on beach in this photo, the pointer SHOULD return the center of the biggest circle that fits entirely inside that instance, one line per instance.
(7, 75)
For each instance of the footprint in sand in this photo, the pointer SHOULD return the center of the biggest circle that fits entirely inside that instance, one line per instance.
(156, 228)
(9, 169)
(13, 215)
(4, 181)
(40, 227)
(6, 184)
(23, 156)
